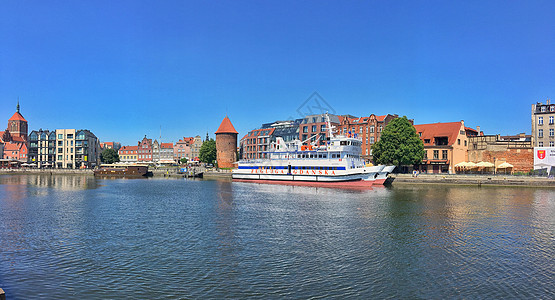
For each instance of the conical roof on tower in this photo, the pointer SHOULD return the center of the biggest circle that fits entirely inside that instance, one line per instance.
(17, 116)
(226, 127)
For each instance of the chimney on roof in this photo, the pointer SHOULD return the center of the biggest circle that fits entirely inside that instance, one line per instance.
(478, 129)
(547, 101)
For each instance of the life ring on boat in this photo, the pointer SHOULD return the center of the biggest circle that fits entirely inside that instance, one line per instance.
(303, 148)
(310, 147)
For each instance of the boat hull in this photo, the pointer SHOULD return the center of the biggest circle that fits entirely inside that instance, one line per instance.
(362, 184)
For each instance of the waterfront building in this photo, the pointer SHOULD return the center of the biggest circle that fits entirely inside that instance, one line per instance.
(42, 148)
(155, 151)
(368, 129)
(76, 149)
(15, 151)
(543, 124)
(226, 144)
(312, 129)
(17, 126)
(182, 149)
(144, 150)
(166, 153)
(195, 147)
(15, 133)
(128, 154)
(516, 150)
(256, 142)
(445, 145)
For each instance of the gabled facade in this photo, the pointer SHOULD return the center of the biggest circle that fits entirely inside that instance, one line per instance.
(42, 148)
(144, 150)
(182, 149)
(445, 145)
(16, 151)
(155, 151)
(369, 129)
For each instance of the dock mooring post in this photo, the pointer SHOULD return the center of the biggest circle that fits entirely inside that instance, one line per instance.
(2, 294)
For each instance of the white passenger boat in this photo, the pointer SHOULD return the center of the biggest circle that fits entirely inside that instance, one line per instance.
(336, 164)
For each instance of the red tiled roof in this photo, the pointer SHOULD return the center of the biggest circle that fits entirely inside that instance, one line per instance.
(18, 117)
(226, 127)
(13, 146)
(429, 131)
(166, 145)
(380, 118)
(471, 129)
(18, 139)
(128, 148)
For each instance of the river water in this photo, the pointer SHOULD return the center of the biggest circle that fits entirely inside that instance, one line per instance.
(78, 237)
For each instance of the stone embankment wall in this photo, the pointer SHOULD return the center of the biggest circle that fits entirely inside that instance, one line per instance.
(505, 180)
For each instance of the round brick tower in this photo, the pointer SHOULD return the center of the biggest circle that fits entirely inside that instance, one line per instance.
(226, 144)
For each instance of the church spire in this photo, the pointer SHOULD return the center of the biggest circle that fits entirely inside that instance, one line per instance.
(17, 109)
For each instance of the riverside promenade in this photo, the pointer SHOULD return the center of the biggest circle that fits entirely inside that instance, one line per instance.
(474, 179)
(452, 179)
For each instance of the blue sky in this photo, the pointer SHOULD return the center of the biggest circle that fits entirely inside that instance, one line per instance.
(124, 69)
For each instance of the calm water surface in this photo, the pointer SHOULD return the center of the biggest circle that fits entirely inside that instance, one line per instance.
(72, 237)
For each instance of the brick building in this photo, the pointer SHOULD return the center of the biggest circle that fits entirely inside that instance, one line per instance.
(226, 144)
(144, 150)
(516, 150)
(182, 149)
(313, 128)
(369, 129)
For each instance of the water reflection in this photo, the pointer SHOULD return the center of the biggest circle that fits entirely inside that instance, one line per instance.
(66, 236)
(61, 182)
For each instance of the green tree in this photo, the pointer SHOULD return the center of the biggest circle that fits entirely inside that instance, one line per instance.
(183, 160)
(109, 156)
(207, 152)
(399, 144)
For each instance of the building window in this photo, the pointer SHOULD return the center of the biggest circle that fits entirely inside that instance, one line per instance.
(60, 136)
(540, 120)
(426, 141)
(305, 129)
(371, 140)
(458, 141)
(313, 128)
(543, 108)
(322, 127)
(465, 143)
(540, 144)
(551, 132)
(361, 130)
(444, 154)
(540, 132)
(372, 129)
(425, 154)
(436, 154)
(551, 144)
(551, 120)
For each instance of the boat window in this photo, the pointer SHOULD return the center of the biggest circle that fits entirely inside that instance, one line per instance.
(343, 143)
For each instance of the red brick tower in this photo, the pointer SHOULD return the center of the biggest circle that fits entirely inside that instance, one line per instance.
(17, 125)
(226, 144)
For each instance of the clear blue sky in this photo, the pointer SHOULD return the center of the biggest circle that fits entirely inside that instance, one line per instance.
(124, 68)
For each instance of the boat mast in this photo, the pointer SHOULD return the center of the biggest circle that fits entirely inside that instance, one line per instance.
(328, 123)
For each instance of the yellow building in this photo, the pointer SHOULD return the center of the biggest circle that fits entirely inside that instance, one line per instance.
(445, 145)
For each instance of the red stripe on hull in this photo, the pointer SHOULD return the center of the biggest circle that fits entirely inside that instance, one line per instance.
(334, 184)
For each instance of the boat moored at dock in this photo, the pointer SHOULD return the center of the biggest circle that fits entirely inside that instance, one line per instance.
(338, 163)
(122, 170)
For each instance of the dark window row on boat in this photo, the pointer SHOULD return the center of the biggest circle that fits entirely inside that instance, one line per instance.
(302, 168)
